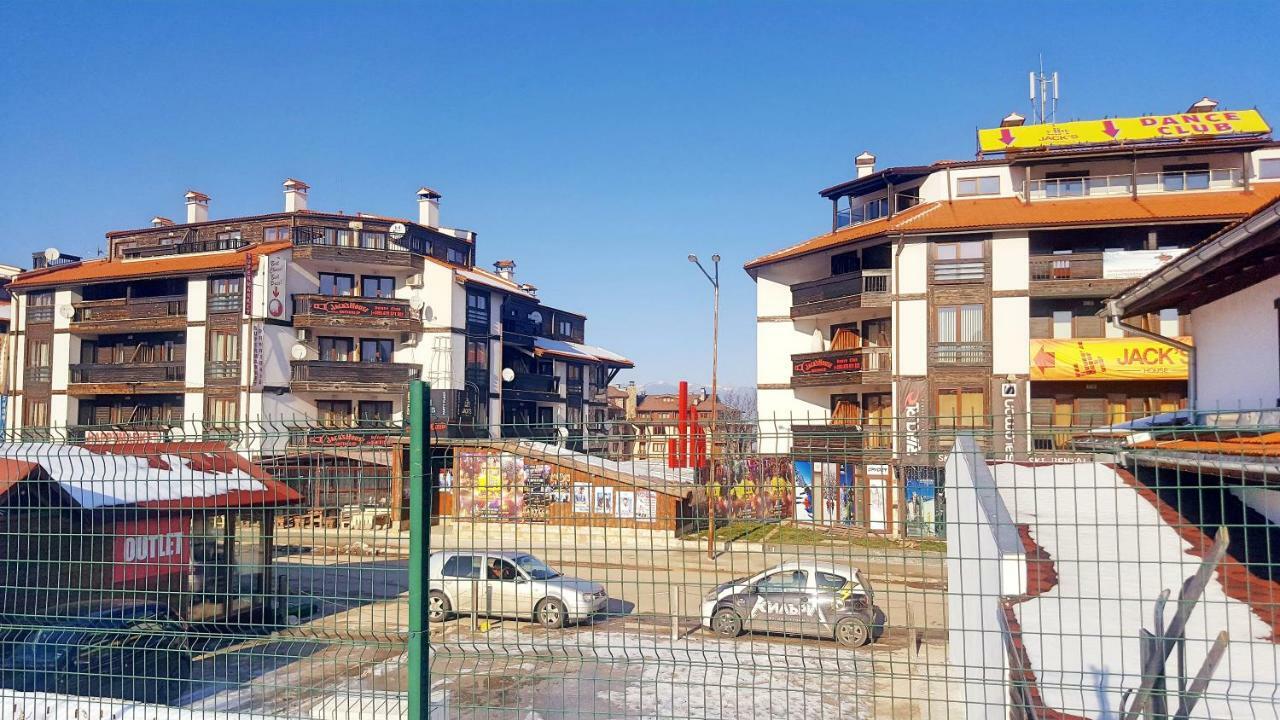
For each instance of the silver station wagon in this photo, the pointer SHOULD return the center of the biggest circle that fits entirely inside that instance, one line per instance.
(509, 585)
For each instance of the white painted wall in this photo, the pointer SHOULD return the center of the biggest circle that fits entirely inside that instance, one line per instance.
(1238, 349)
(277, 342)
(912, 268)
(1010, 335)
(911, 337)
(196, 351)
(1010, 261)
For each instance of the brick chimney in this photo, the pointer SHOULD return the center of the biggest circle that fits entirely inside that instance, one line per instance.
(428, 207)
(295, 195)
(197, 207)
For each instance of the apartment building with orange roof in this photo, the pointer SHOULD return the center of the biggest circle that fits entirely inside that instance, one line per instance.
(966, 294)
(315, 320)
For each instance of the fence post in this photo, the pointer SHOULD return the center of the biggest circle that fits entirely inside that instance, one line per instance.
(419, 551)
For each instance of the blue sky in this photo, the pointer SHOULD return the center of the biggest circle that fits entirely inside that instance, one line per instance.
(597, 143)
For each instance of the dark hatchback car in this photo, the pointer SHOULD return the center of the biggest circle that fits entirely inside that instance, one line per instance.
(119, 649)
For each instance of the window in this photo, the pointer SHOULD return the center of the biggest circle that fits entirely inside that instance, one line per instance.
(1269, 169)
(573, 416)
(478, 310)
(336, 349)
(785, 581)
(564, 327)
(375, 412)
(228, 240)
(961, 408)
(961, 331)
(462, 566)
(38, 354)
(960, 262)
(1062, 323)
(35, 413)
(225, 287)
(224, 345)
(478, 353)
(373, 240)
(830, 581)
(500, 569)
(1194, 176)
(455, 256)
(377, 286)
(40, 299)
(337, 284)
(221, 410)
(341, 238)
(1069, 183)
(874, 209)
(986, 185)
(334, 413)
(276, 234)
(376, 350)
(845, 263)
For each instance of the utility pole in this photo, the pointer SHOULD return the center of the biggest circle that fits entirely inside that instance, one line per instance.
(715, 397)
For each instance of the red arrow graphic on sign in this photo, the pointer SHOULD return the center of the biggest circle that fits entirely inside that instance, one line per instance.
(1109, 127)
(1006, 136)
(1045, 359)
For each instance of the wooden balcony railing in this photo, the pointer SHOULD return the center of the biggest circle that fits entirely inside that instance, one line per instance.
(312, 375)
(839, 292)
(159, 311)
(342, 311)
(1076, 266)
(128, 373)
(960, 353)
(39, 314)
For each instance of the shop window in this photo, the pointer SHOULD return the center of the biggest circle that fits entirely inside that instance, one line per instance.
(961, 408)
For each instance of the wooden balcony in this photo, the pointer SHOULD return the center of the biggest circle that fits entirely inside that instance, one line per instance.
(338, 376)
(960, 354)
(315, 248)
(329, 311)
(827, 440)
(133, 314)
(858, 366)
(127, 378)
(869, 288)
(1073, 275)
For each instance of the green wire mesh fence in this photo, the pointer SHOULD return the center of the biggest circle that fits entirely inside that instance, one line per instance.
(800, 567)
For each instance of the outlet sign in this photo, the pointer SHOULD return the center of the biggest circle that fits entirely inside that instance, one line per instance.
(150, 548)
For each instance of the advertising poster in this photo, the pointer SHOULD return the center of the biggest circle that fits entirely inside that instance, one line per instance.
(920, 506)
(626, 502)
(150, 548)
(603, 501)
(879, 510)
(848, 501)
(489, 485)
(756, 487)
(646, 505)
(913, 426)
(581, 498)
(1091, 359)
(804, 491)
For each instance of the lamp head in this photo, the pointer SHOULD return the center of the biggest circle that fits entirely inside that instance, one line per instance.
(693, 258)
(715, 259)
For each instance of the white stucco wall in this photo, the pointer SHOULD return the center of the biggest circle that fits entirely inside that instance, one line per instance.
(1010, 268)
(911, 266)
(1010, 335)
(911, 337)
(1238, 349)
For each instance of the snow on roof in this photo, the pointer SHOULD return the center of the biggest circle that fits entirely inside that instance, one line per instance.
(150, 474)
(481, 277)
(589, 353)
(606, 355)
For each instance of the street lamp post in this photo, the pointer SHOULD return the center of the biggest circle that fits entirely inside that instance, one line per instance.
(714, 278)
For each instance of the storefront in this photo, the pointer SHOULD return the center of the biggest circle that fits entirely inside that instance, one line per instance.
(186, 524)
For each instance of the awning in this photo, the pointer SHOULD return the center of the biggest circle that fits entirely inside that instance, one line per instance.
(578, 352)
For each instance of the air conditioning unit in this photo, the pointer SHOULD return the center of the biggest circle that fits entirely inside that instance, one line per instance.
(414, 281)
(303, 334)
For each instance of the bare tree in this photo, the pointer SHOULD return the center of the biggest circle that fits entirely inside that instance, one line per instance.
(742, 399)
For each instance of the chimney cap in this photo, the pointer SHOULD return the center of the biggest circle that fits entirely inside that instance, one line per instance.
(196, 196)
(295, 184)
(161, 221)
(427, 193)
(1013, 119)
(866, 158)
(1204, 104)
(531, 289)
(505, 264)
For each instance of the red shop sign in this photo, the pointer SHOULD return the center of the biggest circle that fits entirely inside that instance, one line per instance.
(823, 366)
(150, 548)
(350, 308)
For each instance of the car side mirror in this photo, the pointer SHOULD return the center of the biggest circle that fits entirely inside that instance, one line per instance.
(519, 579)
(752, 590)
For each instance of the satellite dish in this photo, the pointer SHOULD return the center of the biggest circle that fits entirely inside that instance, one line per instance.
(299, 352)
(535, 316)
(67, 311)
(51, 255)
(508, 374)
(397, 231)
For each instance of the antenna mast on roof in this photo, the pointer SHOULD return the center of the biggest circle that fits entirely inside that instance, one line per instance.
(1044, 95)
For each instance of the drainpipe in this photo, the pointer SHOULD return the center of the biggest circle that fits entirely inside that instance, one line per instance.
(1113, 317)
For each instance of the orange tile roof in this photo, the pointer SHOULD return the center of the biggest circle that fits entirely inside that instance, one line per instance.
(1265, 446)
(1011, 212)
(106, 269)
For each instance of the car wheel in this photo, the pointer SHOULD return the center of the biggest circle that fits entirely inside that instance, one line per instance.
(550, 614)
(438, 608)
(852, 632)
(727, 622)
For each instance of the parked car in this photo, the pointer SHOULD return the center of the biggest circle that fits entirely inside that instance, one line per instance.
(123, 649)
(799, 598)
(509, 584)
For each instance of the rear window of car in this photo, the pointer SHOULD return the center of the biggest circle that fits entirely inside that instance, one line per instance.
(831, 581)
(463, 566)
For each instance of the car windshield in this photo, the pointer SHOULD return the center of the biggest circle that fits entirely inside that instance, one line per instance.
(535, 568)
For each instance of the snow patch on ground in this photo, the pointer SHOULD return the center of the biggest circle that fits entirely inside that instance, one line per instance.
(1114, 554)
